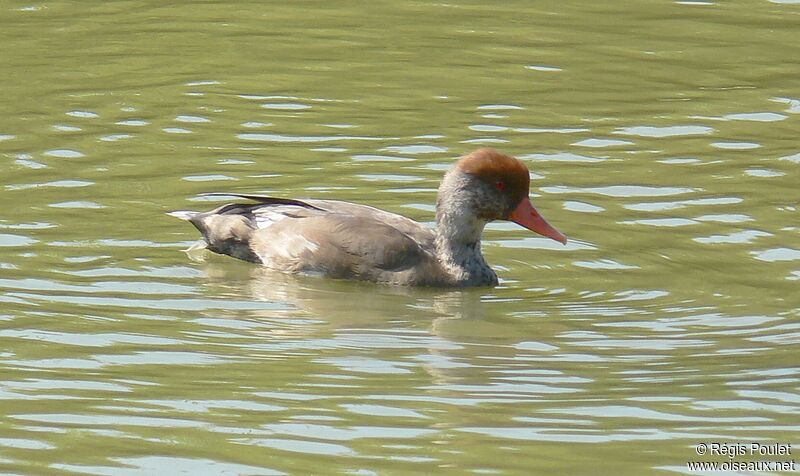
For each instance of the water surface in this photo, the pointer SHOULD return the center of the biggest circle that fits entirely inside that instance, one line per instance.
(662, 139)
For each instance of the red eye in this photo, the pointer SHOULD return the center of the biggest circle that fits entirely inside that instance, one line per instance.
(500, 185)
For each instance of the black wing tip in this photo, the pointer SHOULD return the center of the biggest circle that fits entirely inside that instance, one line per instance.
(248, 196)
(262, 199)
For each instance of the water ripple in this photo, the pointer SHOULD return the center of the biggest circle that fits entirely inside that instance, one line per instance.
(622, 190)
(666, 131)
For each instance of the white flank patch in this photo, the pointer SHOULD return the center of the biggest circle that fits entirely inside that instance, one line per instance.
(267, 218)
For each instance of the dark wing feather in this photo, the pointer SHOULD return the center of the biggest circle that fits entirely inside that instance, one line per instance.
(262, 199)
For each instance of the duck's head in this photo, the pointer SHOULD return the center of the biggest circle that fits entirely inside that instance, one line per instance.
(488, 185)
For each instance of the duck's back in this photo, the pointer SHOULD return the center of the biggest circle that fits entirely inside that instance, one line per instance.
(331, 238)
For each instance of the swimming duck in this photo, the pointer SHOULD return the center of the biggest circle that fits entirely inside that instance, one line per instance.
(346, 240)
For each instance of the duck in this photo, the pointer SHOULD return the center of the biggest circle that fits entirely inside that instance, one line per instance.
(344, 240)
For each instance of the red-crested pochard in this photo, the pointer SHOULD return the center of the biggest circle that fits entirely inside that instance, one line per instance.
(346, 240)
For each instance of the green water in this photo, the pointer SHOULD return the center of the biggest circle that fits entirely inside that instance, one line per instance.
(663, 140)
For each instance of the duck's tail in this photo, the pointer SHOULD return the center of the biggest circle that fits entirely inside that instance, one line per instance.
(227, 234)
(197, 246)
(183, 214)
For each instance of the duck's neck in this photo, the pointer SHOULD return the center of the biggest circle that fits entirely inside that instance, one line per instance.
(458, 239)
